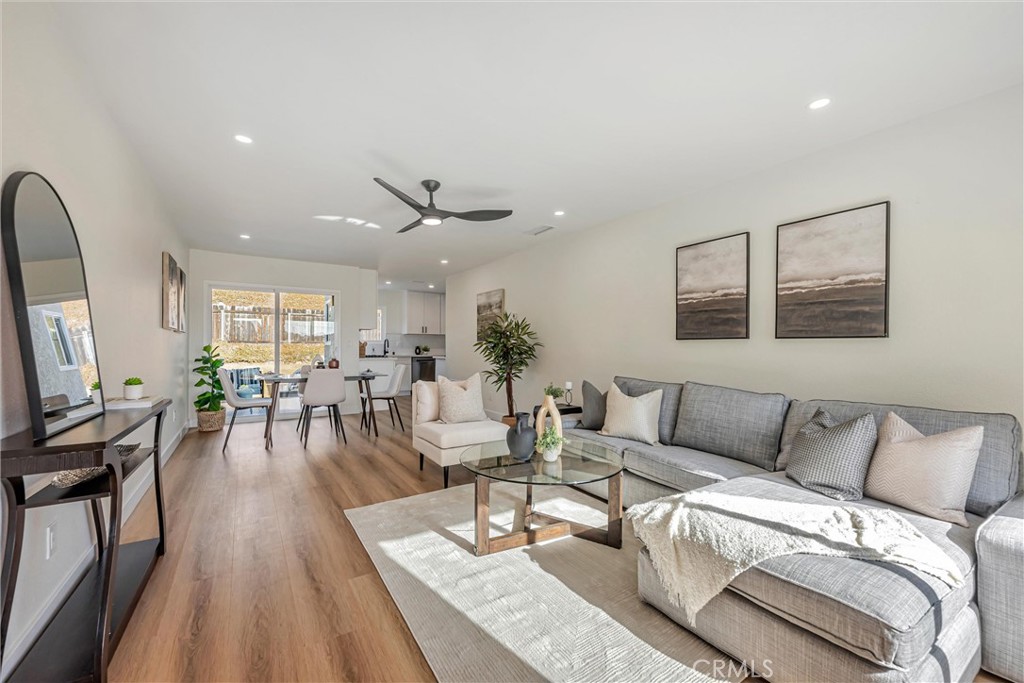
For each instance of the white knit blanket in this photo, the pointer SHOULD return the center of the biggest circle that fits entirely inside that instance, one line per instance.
(701, 540)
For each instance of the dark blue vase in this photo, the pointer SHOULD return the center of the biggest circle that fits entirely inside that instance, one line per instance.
(521, 438)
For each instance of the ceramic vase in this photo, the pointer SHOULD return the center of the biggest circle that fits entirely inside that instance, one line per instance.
(97, 397)
(551, 454)
(133, 392)
(548, 409)
(521, 438)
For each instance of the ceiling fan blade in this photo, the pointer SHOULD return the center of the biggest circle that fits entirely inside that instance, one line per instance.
(401, 195)
(415, 224)
(479, 215)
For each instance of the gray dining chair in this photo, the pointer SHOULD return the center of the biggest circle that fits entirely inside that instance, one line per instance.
(236, 402)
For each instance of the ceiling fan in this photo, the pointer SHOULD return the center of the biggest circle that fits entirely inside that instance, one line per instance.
(431, 215)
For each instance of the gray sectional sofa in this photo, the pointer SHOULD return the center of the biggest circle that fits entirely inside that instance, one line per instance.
(811, 618)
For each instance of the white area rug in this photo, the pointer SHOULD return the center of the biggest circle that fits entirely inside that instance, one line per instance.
(564, 610)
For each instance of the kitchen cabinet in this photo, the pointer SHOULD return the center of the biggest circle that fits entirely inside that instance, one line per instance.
(444, 302)
(384, 366)
(422, 313)
(367, 299)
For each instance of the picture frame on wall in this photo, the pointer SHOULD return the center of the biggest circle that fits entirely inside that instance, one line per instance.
(182, 300)
(713, 288)
(489, 307)
(171, 286)
(832, 275)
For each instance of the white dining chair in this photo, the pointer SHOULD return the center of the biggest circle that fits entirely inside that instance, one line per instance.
(324, 388)
(300, 388)
(236, 402)
(389, 395)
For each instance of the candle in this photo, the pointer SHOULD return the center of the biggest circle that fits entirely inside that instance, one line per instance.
(568, 386)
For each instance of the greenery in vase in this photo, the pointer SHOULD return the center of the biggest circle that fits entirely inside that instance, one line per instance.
(208, 364)
(130, 382)
(509, 345)
(425, 349)
(95, 386)
(550, 440)
(554, 392)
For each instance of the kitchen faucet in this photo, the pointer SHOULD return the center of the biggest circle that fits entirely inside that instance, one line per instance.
(386, 344)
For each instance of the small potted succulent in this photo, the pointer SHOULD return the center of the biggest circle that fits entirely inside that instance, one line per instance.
(209, 411)
(550, 444)
(133, 388)
(96, 392)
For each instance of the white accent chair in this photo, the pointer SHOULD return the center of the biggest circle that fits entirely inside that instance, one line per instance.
(236, 402)
(445, 443)
(325, 388)
(389, 395)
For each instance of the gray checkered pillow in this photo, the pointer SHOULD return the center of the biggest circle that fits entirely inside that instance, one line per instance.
(832, 458)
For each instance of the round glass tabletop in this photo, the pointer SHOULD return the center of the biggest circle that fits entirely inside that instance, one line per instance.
(581, 462)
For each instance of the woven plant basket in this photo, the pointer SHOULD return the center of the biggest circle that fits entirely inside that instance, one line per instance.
(210, 421)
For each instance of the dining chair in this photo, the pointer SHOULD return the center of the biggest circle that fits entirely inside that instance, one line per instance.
(233, 399)
(389, 395)
(300, 388)
(324, 388)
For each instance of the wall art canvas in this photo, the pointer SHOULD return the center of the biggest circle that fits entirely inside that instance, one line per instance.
(712, 283)
(182, 300)
(833, 275)
(489, 307)
(171, 287)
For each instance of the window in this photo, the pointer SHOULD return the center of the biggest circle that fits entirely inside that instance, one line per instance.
(61, 340)
(379, 333)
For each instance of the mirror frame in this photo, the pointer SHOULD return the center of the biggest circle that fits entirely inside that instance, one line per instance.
(20, 303)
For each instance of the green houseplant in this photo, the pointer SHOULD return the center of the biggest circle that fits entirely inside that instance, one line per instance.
(508, 345)
(550, 444)
(96, 392)
(209, 411)
(554, 392)
(134, 388)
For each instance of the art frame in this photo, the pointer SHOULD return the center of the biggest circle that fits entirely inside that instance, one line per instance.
(713, 289)
(173, 295)
(490, 306)
(832, 275)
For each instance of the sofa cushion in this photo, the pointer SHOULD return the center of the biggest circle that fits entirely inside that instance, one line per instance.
(445, 435)
(683, 468)
(670, 396)
(737, 424)
(832, 458)
(595, 405)
(885, 613)
(588, 435)
(995, 476)
(632, 418)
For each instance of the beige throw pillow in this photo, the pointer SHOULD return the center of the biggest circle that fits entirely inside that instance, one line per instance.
(927, 474)
(461, 401)
(630, 417)
(428, 405)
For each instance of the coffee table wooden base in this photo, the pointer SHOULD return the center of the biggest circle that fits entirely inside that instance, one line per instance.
(538, 526)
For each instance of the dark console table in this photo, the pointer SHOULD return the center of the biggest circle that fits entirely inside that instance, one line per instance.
(81, 637)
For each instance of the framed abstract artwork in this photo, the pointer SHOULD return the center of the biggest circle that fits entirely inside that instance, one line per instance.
(712, 287)
(832, 275)
(173, 295)
(489, 307)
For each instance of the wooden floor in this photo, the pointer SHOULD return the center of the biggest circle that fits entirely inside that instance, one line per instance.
(264, 577)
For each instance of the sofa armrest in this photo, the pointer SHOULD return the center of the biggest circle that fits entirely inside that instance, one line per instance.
(1000, 548)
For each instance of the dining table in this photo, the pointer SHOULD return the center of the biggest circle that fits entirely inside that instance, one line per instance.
(275, 380)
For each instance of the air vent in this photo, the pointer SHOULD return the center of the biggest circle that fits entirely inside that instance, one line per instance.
(540, 230)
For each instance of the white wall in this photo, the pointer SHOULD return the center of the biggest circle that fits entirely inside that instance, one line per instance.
(214, 267)
(603, 302)
(53, 124)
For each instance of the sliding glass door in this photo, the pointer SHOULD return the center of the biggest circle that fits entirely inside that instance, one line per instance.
(271, 330)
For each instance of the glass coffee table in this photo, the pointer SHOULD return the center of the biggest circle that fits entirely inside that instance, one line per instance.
(579, 463)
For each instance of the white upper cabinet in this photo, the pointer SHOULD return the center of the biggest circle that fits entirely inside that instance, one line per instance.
(423, 313)
(444, 302)
(367, 299)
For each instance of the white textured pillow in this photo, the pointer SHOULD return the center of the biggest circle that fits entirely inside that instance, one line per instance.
(428, 405)
(461, 401)
(629, 417)
(927, 474)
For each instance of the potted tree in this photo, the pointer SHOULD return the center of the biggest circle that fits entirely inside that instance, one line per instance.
(209, 411)
(509, 345)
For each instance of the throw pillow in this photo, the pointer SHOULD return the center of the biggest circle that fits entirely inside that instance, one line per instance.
(595, 405)
(461, 401)
(833, 458)
(428, 405)
(633, 418)
(927, 474)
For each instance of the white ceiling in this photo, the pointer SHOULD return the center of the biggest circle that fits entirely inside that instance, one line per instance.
(596, 109)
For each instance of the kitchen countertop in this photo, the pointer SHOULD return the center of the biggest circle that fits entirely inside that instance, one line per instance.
(405, 355)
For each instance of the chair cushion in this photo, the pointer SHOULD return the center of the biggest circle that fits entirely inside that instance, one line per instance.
(428, 403)
(446, 435)
(684, 468)
(670, 394)
(461, 401)
(885, 613)
(737, 424)
(995, 476)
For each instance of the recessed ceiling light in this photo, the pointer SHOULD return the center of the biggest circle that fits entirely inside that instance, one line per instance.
(818, 104)
(431, 220)
(373, 225)
(431, 286)
(444, 262)
(329, 218)
(244, 138)
(355, 221)
(387, 282)
(559, 213)
(244, 237)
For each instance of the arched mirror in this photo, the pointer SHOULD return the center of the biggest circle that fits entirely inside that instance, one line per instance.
(51, 305)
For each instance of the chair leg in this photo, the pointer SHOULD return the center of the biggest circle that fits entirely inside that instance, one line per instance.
(305, 440)
(234, 414)
(337, 419)
(341, 424)
(446, 476)
(399, 414)
(388, 401)
(298, 423)
(421, 462)
(362, 410)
